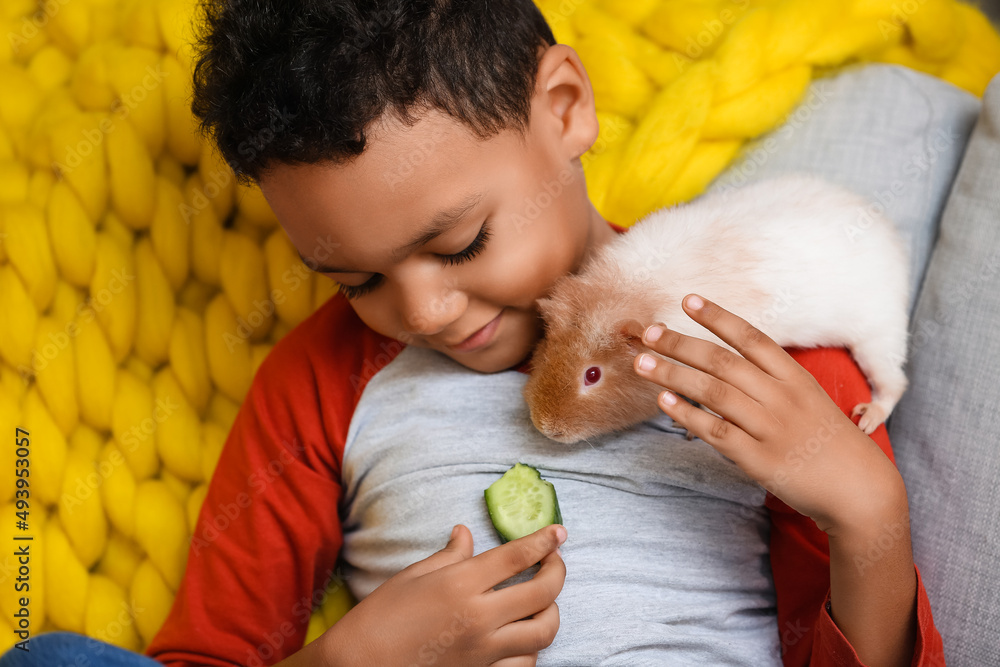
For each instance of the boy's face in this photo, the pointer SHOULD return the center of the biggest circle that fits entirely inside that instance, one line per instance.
(523, 205)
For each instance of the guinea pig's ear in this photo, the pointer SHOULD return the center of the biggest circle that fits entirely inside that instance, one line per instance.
(630, 332)
(554, 312)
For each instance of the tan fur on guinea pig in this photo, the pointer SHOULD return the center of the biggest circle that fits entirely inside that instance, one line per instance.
(786, 254)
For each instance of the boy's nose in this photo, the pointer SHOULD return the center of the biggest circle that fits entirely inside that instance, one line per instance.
(429, 316)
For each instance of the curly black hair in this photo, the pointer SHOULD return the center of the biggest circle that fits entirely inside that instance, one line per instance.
(277, 81)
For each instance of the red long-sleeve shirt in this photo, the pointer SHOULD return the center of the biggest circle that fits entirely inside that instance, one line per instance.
(267, 537)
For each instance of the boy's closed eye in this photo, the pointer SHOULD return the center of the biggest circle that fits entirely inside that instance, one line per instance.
(477, 246)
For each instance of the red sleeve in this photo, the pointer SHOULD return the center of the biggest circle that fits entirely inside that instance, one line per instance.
(800, 556)
(269, 532)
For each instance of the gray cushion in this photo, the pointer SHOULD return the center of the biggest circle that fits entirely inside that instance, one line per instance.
(889, 133)
(946, 430)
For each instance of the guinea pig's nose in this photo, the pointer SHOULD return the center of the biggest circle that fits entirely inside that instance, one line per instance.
(557, 434)
(549, 432)
(542, 425)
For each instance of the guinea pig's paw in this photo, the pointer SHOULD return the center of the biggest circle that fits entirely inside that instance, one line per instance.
(872, 414)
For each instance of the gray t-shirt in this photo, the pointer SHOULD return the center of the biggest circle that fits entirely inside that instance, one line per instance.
(667, 558)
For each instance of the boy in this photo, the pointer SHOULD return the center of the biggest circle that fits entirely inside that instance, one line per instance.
(370, 403)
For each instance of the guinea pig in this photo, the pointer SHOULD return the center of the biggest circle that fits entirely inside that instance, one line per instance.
(805, 261)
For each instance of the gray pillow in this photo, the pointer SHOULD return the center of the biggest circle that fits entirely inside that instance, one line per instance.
(946, 429)
(893, 135)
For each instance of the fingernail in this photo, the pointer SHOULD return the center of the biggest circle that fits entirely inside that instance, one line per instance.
(560, 533)
(668, 398)
(653, 334)
(454, 531)
(559, 551)
(646, 362)
(695, 302)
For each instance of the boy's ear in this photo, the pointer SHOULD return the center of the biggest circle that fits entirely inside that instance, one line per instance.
(568, 96)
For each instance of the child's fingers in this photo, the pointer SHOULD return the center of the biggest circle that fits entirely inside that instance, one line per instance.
(519, 661)
(731, 441)
(713, 359)
(530, 597)
(717, 395)
(747, 339)
(530, 635)
(459, 548)
(503, 562)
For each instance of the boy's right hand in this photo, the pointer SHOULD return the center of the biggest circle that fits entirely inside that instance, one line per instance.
(443, 610)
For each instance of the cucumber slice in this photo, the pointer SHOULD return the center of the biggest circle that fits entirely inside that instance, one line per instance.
(521, 502)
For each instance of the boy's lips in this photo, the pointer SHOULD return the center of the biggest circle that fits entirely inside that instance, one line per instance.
(480, 338)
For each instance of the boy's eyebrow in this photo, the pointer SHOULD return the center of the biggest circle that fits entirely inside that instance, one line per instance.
(439, 224)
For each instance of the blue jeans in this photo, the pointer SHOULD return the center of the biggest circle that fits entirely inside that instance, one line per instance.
(68, 649)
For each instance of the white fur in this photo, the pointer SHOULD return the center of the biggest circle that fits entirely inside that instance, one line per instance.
(802, 259)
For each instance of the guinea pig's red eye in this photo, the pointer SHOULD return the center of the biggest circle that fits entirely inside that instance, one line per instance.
(592, 375)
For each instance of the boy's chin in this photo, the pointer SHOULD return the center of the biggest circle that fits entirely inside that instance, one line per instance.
(497, 358)
(504, 353)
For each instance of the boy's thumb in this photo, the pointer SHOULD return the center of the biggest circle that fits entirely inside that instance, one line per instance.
(459, 548)
(460, 542)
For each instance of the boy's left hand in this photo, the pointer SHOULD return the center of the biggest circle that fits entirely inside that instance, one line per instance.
(779, 425)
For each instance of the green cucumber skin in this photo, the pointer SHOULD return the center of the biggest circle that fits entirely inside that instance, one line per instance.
(556, 512)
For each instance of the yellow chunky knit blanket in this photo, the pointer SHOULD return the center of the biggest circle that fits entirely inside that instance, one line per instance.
(130, 316)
